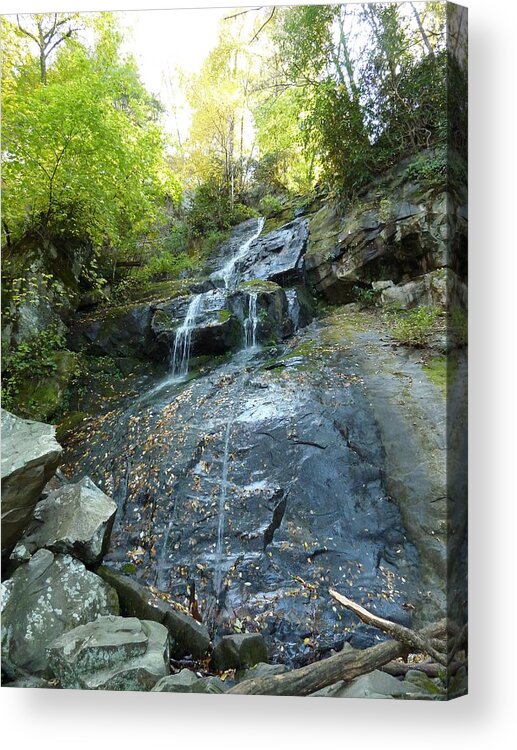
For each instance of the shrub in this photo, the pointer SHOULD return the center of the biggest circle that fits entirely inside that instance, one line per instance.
(366, 296)
(33, 360)
(270, 205)
(413, 327)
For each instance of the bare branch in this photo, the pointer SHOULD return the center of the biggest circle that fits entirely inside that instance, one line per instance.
(264, 24)
(406, 636)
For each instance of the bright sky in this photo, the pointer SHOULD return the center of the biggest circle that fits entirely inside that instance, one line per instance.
(161, 40)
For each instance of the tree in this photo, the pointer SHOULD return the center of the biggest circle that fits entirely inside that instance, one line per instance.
(48, 32)
(83, 151)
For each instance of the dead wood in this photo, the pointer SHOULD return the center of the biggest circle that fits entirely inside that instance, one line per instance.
(411, 639)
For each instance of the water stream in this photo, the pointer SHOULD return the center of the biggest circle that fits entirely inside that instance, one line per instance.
(183, 338)
(229, 273)
(251, 322)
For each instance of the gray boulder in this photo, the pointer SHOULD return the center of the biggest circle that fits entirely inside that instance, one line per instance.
(261, 670)
(30, 455)
(239, 651)
(44, 598)
(187, 636)
(375, 684)
(428, 289)
(111, 653)
(76, 520)
(188, 682)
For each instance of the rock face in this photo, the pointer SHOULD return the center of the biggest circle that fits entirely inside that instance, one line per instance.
(187, 636)
(75, 520)
(30, 455)
(123, 331)
(287, 439)
(111, 653)
(44, 598)
(278, 256)
(239, 651)
(53, 270)
(409, 232)
(188, 682)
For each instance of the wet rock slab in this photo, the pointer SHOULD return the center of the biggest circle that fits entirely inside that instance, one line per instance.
(112, 653)
(263, 487)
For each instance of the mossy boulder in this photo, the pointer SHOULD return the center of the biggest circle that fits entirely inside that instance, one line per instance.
(43, 398)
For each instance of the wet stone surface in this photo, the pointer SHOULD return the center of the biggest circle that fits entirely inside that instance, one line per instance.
(263, 486)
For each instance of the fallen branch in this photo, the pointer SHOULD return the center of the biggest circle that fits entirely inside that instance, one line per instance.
(342, 666)
(411, 639)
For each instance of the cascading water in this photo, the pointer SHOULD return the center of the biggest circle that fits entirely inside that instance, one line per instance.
(183, 338)
(251, 322)
(229, 272)
(218, 567)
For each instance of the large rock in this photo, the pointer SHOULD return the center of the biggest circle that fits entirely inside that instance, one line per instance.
(239, 651)
(123, 331)
(429, 289)
(75, 519)
(40, 288)
(45, 597)
(42, 398)
(375, 684)
(30, 455)
(112, 653)
(300, 307)
(188, 682)
(278, 256)
(216, 329)
(272, 309)
(188, 637)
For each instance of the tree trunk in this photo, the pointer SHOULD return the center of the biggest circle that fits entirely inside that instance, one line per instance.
(343, 666)
(425, 38)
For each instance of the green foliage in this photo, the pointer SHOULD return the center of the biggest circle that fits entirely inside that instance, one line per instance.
(429, 168)
(413, 327)
(212, 210)
(367, 297)
(32, 361)
(359, 108)
(270, 205)
(90, 162)
(165, 265)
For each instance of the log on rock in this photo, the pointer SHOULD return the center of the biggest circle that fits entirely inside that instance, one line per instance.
(343, 666)
(413, 640)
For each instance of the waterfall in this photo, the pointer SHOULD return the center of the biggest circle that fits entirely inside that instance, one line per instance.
(182, 340)
(229, 272)
(251, 322)
(218, 573)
